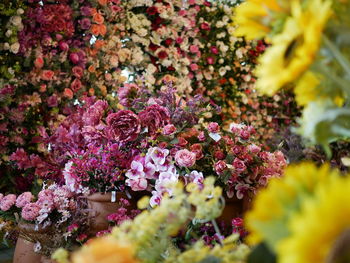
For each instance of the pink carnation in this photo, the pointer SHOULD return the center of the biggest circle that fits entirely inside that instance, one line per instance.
(185, 158)
(7, 202)
(24, 199)
(30, 211)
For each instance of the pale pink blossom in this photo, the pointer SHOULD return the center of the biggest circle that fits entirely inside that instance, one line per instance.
(185, 158)
(30, 211)
(24, 199)
(7, 202)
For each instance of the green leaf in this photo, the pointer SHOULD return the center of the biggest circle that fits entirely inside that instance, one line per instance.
(261, 254)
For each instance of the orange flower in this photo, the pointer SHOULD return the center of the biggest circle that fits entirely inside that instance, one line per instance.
(97, 29)
(91, 92)
(99, 43)
(102, 2)
(91, 69)
(98, 18)
(107, 250)
(68, 93)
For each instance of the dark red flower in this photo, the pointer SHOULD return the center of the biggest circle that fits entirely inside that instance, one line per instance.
(162, 55)
(152, 10)
(123, 125)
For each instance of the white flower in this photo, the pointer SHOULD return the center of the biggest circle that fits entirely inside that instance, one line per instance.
(16, 20)
(14, 48)
(222, 71)
(8, 33)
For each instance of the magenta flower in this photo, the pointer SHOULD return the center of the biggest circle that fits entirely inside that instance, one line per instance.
(154, 117)
(124, 126)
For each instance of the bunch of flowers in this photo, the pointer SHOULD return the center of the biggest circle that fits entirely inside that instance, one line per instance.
(95, 144)
(302, 57)
(240, 166)
(148, 237)
(50, 212)
(291, 227)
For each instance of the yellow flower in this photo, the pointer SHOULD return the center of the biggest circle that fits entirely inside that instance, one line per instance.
(306, 89)
(60, 255)
(105, 250)
(295, 48)
(321, 224)
(274, 204)
(253, 18)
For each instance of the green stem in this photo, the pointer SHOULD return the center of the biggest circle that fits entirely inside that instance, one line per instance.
(217, 230)
(337, 55)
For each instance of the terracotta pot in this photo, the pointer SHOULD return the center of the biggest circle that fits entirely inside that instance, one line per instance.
(100, 206)
(24, 252)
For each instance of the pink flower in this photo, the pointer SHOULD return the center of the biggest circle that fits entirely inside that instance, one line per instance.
(210, 60)
(75, 85)
(30, 211)
(220, 167)
(169, 129)
(24, 199)
(52, 101)
(126, 93)
(74, 57)
(7, 202)
(213, 127)
(68, 93)
(254, 148)
(39, 62)
(244, 134)
(194, 48)
(194, 67)
(137, 183)
(94, 113)
(154, 117)
(157, 155)
(63, 46)
(185, 158)
(47, 75)
(219, 155)
(239, 165)
(214, 50)
(73, 227)
(1, 197)
(201, 136)
(78, 71)
(237, 222)
(124, 126)
(195, 177)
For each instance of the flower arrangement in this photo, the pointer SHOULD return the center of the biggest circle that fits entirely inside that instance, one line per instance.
(296, 202)
(302, 57)
(131, 243)
(50, 212)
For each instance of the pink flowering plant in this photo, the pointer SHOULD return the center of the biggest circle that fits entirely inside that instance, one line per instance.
(93, 148)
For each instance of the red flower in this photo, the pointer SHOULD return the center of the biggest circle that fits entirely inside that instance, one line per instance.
(153, 47)
(162, 55)
(168, 41)
(152, 10)
(205, 26)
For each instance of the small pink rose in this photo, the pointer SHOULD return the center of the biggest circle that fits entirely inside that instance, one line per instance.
(185, 158)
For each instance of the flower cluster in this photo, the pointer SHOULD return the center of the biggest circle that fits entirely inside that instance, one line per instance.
(239, 165)
(95, 145)
(53, 205)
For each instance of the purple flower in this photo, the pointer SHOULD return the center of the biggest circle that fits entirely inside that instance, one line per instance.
(85, 23)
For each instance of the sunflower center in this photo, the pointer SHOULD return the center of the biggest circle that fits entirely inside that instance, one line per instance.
(340, 252)
(290, 50)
